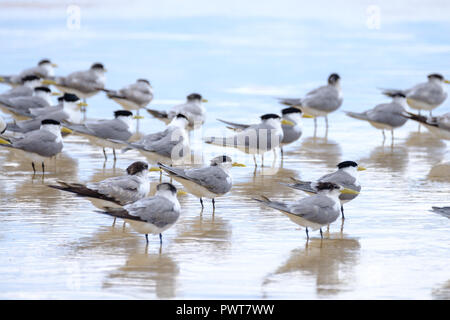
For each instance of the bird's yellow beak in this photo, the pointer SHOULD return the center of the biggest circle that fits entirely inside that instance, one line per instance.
(287, 122)
(235, 164)
(48, 82)
(3, 141)
(349, 191)
(307, 116)
(204, 100)
(138, 117)
(82, 104)
(56, 94)
(1, 79)
(181, 193)
(361, 168)
(66, 130)
(447, 81)
(54, 65)
(153, 169)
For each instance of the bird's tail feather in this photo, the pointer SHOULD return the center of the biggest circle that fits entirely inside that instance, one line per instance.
(157, 114)
(357, 115)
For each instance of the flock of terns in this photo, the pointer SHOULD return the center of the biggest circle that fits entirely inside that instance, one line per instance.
(39, 125)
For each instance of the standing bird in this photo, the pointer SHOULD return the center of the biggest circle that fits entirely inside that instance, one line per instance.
(256, 139)
(424, 96)
(321, 101)
(134, 96)
(39, 145)
(44, 69)
(315, 211)
(291, 133)
(439, 125)
(385, 116)
(346, 176)
(208, 182)
(152, 215)
(28, 83)
(103, 131)
(192, 109)
(115, 191)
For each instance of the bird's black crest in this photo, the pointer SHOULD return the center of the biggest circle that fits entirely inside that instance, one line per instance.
(124, 113)
(290, 110)
(334, 77)
(30, 78)
(220, 159)
(180, 115)
(43, 61)
(137, 167)
(69, 97)
(194, 96)
(50, 121)
(166, 186)
(326, 186)
(398, 94)
(45, 89)
(143, 80)
(270, 116)
(346, 164)
(436, 75)
(97, 65)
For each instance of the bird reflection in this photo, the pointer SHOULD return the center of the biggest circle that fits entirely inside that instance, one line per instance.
(331, 261)
(432, 148)
(393, 158)
(440, 172)
(323, 149)
(442, 292)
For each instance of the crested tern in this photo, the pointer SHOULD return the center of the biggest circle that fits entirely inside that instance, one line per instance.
(424, 96)
(44, 69)
(315, 211)
(438, 125)
(193, 110)
(346, 176)
(28, 83)
(22, 105)
(208, 182)
(151, 215)
(134, 96)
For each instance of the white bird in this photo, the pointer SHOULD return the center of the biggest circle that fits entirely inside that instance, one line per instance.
(39, 145)
(44, 69)
(152, 215)
(315, 211)
(385, 116)
(424, 96)
(193, 110)
(439, 125)
(115, 191)
(103, 132)
(209, 182)
(321, 101)
(255, 139)
(346, 176)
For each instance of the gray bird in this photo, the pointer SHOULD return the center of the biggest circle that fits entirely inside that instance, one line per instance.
(444, 211)
(385, 116)
(208, 182)
(25, 89)
(23, 105)
(346, 176)
(315, 211)
(44, 69)
(84, 84)
(102, 132)
(321, 101)
(192, 109)
(134, 96)
(39, 145)
(152, 215)
(439, 125)
(255, 139)
(115, 191)
(424, 96)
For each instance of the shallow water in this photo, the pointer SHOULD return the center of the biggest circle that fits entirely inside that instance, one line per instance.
(54, 245)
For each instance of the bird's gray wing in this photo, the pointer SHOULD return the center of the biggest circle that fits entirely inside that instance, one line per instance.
(388, 113)
(302, 185)
(25, 103)
(325, 98)
(290, 102)
(358, 115)
(135, 93)
(110, 129)
(84, 81)
(235, 126)
(19, 91)
(123, 188)
(428, 92)
(41, 142)
(316, 208)
(164, 145)
(156, 210)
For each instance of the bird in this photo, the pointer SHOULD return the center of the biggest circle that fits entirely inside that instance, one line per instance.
(39, 145)
(134, 96)
(438, 125)
(315, 211)
(424, 96)
(291, 133)
(346, 176)
(44, 69)
(168, 146)
(385, 116)
(193, 110)
(114, 191)
(320, 101)
(255, 139)
(208, 182)
(42, 98)
(26, 88)
(103, 132)
(84, 84)
(443, 211)
(151, 215)
(68, 110)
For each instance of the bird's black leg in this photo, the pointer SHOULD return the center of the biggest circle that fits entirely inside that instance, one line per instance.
(34, 169)
(104, 154)
(342, 212)
(146, 237)
(321, 234)
(114, 153)
(201, 202)
(160, 239)
(43, 168)
(307, 234)
(214, 204)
